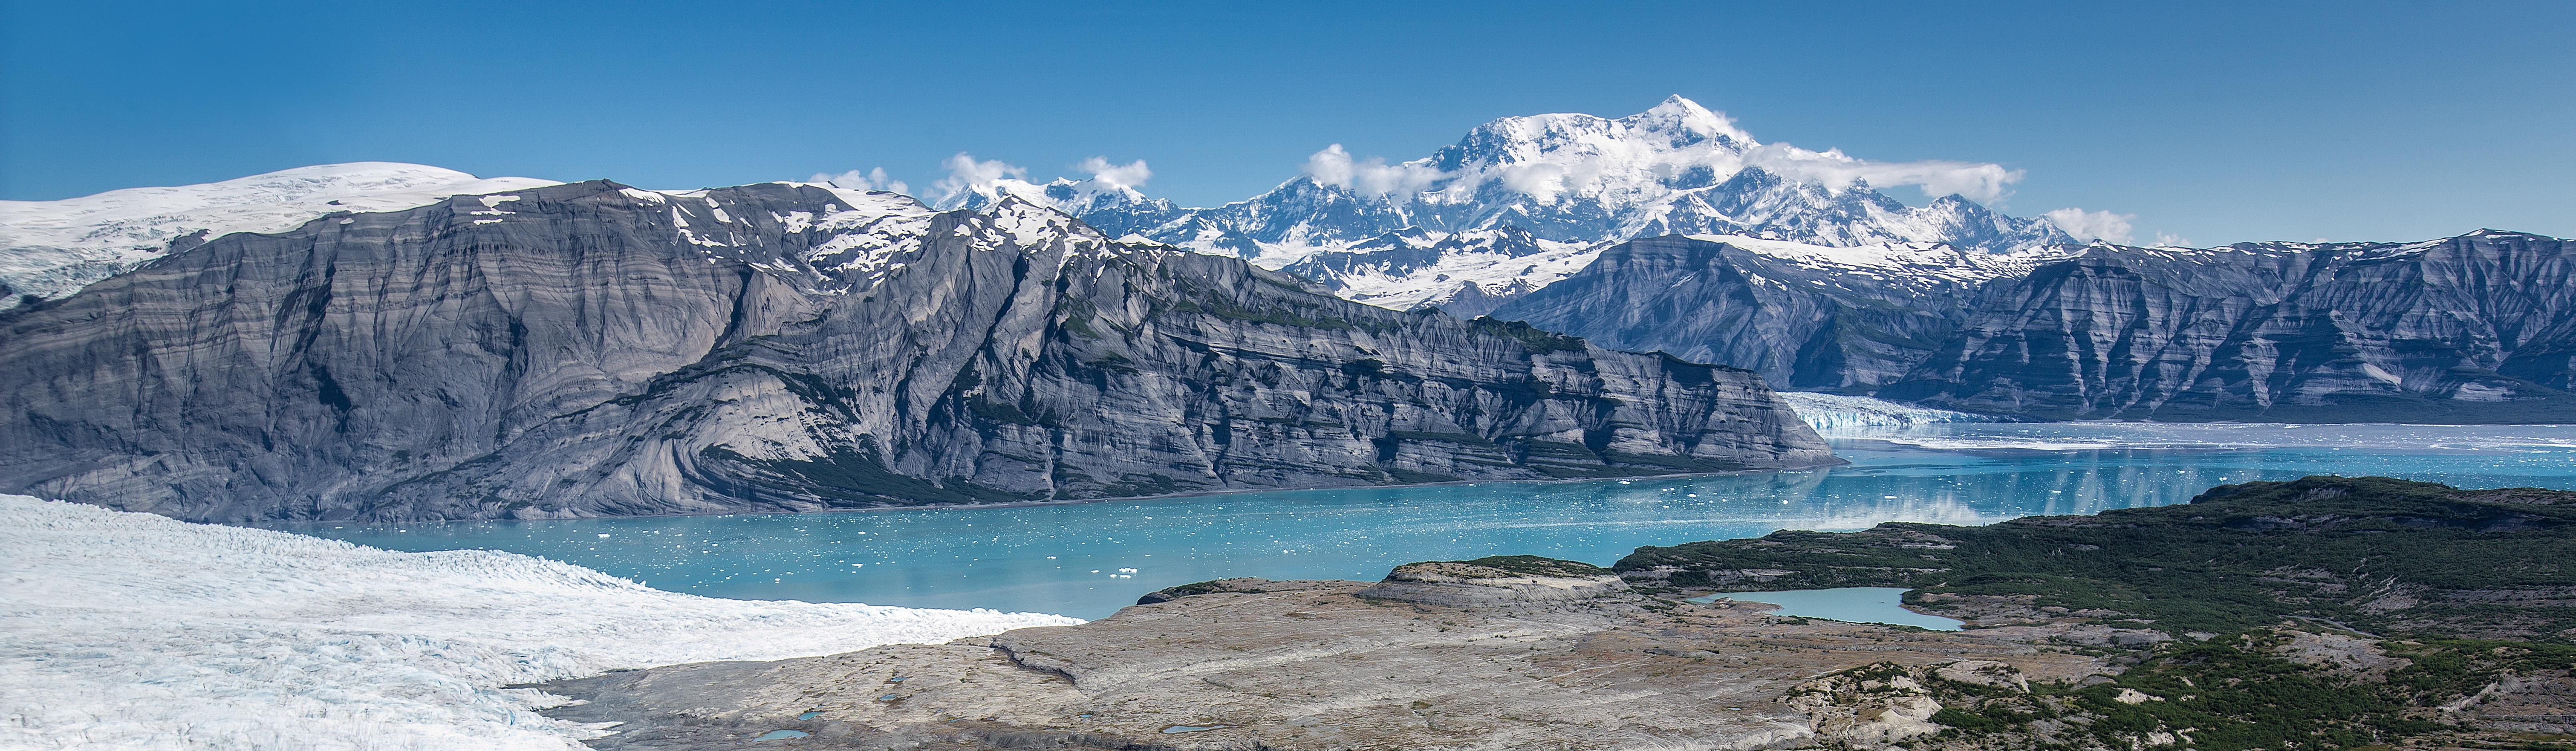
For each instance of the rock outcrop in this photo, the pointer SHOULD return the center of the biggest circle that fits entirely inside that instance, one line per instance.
(1497, 582)
(590, 349)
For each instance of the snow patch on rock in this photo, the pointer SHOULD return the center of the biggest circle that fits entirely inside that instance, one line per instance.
(1916, 260)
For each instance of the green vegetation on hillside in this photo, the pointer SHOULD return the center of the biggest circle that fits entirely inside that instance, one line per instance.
(2372, 554)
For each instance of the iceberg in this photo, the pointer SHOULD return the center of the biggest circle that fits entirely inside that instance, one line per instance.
(132, 630)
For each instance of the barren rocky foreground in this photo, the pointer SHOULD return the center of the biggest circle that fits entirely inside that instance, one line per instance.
(1440, 655)
(1520, 652)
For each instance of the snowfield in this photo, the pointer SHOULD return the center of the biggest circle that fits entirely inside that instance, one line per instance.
(127, 630)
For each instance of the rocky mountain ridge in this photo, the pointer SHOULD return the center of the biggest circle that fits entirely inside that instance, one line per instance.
(2476, 328)
(592, 349)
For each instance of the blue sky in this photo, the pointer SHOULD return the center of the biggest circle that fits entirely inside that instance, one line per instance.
(2214, 122)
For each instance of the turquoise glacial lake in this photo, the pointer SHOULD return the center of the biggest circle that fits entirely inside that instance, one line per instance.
(1089, 559)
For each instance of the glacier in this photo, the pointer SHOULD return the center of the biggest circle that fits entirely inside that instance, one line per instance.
(50, 249)
(130, 630)
(1843, 415)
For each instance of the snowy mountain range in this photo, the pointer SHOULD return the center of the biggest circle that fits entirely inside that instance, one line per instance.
(1517, 204)
(1460, 228)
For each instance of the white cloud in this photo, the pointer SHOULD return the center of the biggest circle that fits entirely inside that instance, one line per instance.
(2089, 226)
(1975, 181)
(1333, 166)
(1129, 175)
(966, 173)
(1540, 181)
(873, 179)
(2171, 240)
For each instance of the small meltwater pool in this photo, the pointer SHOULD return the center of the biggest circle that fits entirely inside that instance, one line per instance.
(1848, 604)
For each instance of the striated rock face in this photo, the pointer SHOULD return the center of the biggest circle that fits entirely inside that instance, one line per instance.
(2477, 328)
(590, 349)
(1806, 317)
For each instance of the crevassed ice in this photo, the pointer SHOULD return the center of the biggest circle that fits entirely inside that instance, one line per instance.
(1836, 413)
(130, 630)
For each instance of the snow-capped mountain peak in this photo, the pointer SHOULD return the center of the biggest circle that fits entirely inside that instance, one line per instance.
(1113, 207)
(1680, 115)
(1572, 181)
(1676, 168)
(1574, 157)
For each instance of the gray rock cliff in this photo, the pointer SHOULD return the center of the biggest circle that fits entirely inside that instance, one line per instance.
(589, 349)
(2473, 329)
(1804, 323)
(2479, 328)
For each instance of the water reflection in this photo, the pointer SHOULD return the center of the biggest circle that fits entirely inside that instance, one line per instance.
(1088, 559)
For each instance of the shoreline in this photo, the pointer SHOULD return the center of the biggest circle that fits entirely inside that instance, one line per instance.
(290, 525)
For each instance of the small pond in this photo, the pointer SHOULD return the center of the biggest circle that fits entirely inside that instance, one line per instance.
(1849, 604)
